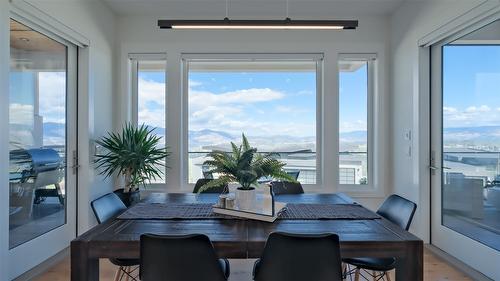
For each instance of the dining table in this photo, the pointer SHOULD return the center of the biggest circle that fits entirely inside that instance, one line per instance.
(238, 238)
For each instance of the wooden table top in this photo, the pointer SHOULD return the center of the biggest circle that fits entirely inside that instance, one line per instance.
(246, 238)
(238, 238)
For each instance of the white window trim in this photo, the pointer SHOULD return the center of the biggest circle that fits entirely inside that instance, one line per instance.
(188, 57)
(133, 60)
(372, 188)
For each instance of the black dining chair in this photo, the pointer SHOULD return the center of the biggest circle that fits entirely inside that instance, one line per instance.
(399, 211)
(294, 174)
(107, 207)
(217, 189)
(181, 258)
(298, 257)
(286, 187)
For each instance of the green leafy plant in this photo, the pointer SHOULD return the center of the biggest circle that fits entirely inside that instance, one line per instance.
(134, 154)
(243, 165)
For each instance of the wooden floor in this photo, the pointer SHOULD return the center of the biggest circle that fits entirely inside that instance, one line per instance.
(435, 269)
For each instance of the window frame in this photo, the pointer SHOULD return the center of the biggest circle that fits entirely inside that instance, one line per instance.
(133, 61)
(372, 97)
(318, 58)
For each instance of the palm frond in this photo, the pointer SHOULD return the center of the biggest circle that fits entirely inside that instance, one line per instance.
(134, 152)
(244, 165)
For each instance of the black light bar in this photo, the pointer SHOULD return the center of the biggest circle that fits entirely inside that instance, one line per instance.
(258, 24)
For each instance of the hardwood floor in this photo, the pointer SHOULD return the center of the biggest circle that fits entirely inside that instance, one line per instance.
(435, 269)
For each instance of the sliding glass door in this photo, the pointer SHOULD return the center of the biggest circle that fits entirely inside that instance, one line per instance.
(42, 129)
(465, 156)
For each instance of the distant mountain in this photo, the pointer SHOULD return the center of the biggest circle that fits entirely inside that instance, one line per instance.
(207, 139)
(482, 135)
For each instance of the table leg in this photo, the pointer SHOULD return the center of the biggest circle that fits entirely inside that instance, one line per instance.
(411, 267)
(83, 268)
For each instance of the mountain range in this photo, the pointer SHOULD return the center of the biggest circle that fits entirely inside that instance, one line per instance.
(207, 139)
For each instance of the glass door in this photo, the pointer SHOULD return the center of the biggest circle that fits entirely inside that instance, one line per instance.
(465, 143)
(42, 130)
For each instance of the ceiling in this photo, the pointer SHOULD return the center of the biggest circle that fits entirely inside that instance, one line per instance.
(254, 9)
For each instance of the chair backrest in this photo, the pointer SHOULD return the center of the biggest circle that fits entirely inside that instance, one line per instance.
(398, 210)
(294, 174)
(107, 207)
(202, 182)
(180, 257)
(289, 257)
(286, 187)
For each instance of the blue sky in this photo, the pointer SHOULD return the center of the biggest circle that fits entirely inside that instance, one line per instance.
(471, 85)
(259, 103)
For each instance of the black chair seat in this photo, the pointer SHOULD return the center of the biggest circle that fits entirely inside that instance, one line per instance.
(125, 262)
(224, 264)
(377, 264)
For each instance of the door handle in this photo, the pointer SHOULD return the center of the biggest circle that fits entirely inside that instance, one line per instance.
(434, 168)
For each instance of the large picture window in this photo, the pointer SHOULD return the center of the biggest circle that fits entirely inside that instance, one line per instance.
(149, 90)
(273, 102)
(355, 86)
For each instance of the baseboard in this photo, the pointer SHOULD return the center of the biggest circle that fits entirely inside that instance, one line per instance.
(44, 266)
(457, 264)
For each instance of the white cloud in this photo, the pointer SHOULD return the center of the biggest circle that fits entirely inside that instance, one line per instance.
(481, 115)
(21, 114)
(473, 109)
(151, 103)
(358, 125)
(52, 90)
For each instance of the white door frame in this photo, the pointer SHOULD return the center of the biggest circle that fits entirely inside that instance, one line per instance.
(31, 253)
(477, 255)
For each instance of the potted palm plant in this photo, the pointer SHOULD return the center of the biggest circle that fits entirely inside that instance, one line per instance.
(243, 165)
(134, 155)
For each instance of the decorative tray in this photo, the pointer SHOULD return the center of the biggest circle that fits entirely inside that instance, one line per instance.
(266, 213)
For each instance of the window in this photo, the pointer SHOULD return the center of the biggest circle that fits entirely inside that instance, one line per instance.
(354, 95)
(150, 95)
(273, 102)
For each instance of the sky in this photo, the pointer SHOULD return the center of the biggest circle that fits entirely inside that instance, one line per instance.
(471, 86)
(257, 103)
(280, 103)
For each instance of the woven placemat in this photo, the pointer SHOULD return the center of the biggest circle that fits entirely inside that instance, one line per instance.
(293, 211)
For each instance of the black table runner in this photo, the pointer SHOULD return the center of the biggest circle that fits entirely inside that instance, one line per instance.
(293, 211)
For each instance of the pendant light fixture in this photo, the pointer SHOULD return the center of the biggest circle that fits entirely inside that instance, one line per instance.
(287, 23)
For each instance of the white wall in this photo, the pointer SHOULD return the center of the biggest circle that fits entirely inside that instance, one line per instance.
(4, 137)
(96, 22)
(141, 35)
(411, 22)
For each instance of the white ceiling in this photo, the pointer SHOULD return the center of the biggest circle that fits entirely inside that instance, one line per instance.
(254, 9)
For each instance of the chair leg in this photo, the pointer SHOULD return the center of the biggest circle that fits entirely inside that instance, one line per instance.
(118, 274)
(356, 274)
(127, 273)
(374, 274)
(388, 275)
(344, 271)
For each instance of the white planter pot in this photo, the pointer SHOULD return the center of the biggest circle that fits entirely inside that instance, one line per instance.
(246, 199)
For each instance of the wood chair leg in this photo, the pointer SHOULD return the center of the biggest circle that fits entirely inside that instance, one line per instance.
(374, 274)
(356, 274)
(127, 275)
(388, 275)
(118, 274)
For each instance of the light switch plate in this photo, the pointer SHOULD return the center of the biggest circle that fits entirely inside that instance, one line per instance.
(407, 135)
